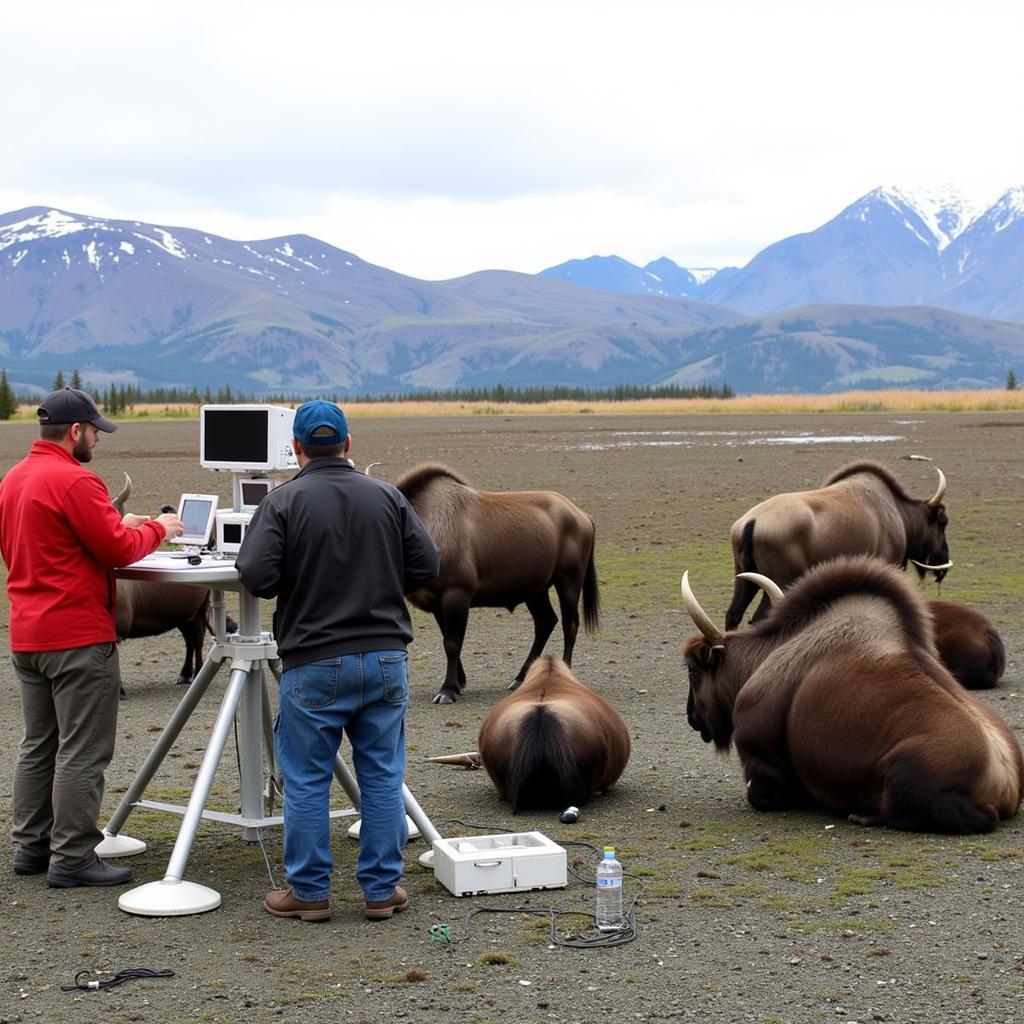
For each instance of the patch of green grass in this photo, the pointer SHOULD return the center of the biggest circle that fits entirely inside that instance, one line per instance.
(710, 898)
(496, 957)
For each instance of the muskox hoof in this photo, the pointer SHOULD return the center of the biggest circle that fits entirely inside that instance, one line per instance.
(444, 697)
(183, 681)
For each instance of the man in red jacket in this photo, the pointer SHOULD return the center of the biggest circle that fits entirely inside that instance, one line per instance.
(61, 538)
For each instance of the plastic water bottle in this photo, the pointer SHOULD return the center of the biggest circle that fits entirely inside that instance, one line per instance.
(609, 892)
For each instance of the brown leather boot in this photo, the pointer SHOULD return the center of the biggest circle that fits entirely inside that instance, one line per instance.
(380, 910)
(282, 903)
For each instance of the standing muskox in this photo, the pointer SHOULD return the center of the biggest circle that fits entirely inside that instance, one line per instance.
(553, 742)
(861, 510)
(837, 698)
(499, 550)
(149, 609)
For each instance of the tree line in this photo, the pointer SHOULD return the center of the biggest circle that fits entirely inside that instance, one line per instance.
(117, 399)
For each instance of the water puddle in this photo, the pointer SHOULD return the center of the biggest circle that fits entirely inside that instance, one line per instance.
(715, 439)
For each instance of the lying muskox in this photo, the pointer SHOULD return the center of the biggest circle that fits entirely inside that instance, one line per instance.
(837, 698)
(861, 510)
(552, 743)
(968, 644)
(499, 550)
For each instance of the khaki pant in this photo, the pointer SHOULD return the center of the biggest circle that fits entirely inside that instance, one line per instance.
(69, 699)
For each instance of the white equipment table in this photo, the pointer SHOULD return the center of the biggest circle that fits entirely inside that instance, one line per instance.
(247, 653)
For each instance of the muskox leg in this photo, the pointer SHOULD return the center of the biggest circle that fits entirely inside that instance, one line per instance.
(453, 618)
(544, 622)
(771, 784)
(569, 606)
(914, 801)
(743, 592)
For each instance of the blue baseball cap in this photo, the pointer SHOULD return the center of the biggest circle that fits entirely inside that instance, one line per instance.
(319, 422)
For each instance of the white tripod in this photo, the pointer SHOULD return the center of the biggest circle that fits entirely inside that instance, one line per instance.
(247, 653)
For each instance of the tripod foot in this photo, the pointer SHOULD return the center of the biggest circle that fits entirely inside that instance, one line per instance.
(169, 898)
(414, 832)
(119, 846)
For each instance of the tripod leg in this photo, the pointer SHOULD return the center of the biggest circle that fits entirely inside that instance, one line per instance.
(207, 770)
(418, 815)
(176, 723)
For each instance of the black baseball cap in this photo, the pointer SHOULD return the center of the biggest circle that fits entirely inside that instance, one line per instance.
(69, 405)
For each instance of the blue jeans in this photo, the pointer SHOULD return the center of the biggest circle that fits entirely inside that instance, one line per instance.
(365, 696)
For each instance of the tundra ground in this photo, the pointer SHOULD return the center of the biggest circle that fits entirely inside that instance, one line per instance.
(740, 916)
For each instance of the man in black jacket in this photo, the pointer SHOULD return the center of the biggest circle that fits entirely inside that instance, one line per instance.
(339, 550)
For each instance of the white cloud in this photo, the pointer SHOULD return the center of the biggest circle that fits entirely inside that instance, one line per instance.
(441, 138)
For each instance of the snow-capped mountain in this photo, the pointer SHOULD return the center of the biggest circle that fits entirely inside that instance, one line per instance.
(893, 246)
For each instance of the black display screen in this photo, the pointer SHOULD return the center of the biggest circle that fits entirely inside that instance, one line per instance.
(236, 435)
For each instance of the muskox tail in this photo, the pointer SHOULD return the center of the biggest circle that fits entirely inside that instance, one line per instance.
(543, 770)
(747, 563)
(591, 597)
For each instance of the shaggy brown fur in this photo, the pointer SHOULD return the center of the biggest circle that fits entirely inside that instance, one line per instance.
(553, 742)
(968, 644)
(838, 699)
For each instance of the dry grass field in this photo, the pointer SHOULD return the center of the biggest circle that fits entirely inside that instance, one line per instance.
(741, 916)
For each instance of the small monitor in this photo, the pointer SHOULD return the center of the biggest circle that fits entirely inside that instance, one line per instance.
(197, 512)
(252, 490)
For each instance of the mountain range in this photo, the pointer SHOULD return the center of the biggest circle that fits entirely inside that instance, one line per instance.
(892, 247)
(891, 291)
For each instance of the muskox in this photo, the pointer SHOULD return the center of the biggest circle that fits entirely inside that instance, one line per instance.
(838, 699)
(149, 609)
(499, 550)
(861, 510)
(554, 742)
(968, 644)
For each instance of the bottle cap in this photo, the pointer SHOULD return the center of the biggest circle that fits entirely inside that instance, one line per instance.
(609, 853)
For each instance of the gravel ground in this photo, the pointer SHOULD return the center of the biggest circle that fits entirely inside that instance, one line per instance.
(740, 916)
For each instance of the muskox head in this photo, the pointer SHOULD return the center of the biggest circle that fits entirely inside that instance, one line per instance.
(927, 547)
(706, 711)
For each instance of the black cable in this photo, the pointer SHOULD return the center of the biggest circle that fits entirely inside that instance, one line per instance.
(600, 940)
(117, 979)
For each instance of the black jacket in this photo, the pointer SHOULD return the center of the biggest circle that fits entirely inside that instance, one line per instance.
(339, 550)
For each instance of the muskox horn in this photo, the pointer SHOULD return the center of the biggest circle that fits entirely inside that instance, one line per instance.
(121, 500)
(701, 619)
(932, 568)
(370, 466)
(470, 759)
(770, 587)
(937, 499)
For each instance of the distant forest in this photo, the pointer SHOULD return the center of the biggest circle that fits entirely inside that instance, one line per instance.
(121, 398)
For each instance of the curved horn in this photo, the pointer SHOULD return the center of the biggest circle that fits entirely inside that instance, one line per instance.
(701, 619)
(937, 499)
(932, 568)
(120, 501)
(370, 466)
(770, 587)
(470, 759)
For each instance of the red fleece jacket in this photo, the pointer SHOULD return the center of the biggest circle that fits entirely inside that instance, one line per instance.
(60, 537)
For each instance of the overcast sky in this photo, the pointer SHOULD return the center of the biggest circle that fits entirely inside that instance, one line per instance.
(441, 137)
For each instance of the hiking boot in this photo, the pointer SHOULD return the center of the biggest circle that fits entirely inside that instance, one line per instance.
(381, 910)
(99, 872)
(30, 863)
(283, 903)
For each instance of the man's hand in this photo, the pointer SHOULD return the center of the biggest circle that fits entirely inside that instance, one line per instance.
(131, 519)
(173, 526)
